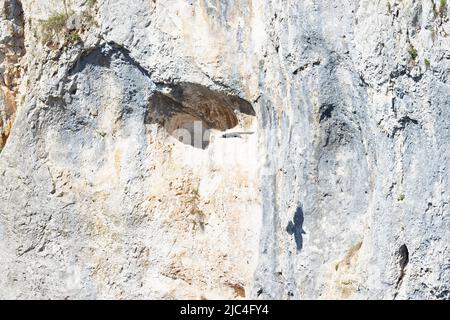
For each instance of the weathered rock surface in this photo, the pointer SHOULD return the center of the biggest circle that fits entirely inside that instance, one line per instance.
(324, 172)
(11, 50)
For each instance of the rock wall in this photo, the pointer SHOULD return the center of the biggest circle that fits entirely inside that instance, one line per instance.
(322, 170)
(11, 50)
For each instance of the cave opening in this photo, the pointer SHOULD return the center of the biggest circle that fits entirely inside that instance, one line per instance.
(189, 130)
(192, 113)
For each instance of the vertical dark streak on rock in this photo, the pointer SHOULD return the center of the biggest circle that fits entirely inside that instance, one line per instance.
(267, 284)
(403, 254)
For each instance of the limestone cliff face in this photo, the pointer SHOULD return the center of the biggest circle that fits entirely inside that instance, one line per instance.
(323, 170)
(11, 50)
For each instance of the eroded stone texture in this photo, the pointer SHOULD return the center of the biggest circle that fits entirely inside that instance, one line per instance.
(325, 171)
(11, 51)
